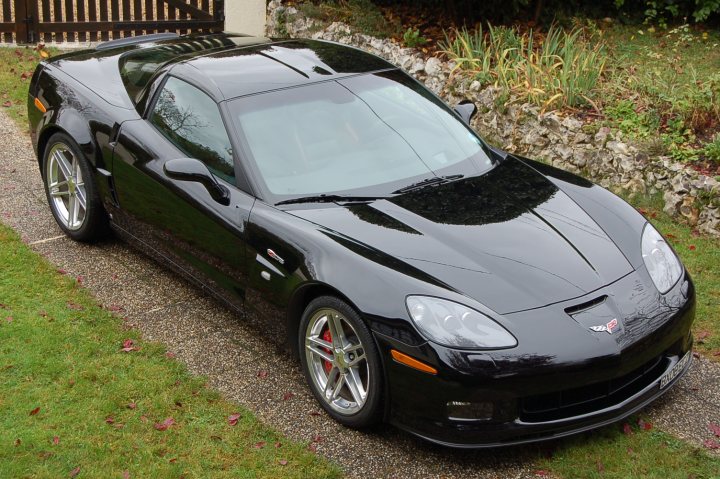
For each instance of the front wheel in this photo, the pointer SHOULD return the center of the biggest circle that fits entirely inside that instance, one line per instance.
(71, 191)
(341, 362)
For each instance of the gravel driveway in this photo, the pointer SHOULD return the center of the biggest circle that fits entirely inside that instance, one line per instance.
(241, 363)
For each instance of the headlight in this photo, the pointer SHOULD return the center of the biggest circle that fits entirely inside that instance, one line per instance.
(662, 264)
(456, 326)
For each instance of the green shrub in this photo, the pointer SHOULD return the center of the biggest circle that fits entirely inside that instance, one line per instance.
(712, 149)
(560, 69)
(413, 39)
(363, 15)
(660, 11)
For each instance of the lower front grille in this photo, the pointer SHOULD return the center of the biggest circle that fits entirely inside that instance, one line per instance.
(593, 397)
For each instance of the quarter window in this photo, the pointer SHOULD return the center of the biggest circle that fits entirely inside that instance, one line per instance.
(191, 120)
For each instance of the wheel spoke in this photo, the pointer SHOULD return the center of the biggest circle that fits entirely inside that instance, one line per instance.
(319, 352)
(352, 379)
(57, 184)
(71, 211)
(80, 192)
(336, 330)
(318, 341)
(338, 387)
(333, 377)
(56, 192)
(63, 164)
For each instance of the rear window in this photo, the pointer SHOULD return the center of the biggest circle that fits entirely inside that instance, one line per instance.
(138, 67)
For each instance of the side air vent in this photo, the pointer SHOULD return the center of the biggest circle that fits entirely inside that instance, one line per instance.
(586, 305)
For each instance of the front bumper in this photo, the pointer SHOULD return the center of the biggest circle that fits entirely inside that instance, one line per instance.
(532, 396)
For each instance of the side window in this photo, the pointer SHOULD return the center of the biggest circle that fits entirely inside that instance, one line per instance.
(191, 120)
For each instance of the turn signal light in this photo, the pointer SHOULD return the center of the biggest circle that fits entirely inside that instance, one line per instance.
(39, 105)
(412, 362)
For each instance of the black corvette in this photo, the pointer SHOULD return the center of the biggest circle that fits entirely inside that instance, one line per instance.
(422, 277)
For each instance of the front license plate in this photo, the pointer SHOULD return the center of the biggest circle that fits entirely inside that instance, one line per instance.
(667, 378)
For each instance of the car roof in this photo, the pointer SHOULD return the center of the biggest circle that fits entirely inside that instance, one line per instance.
(281, 64)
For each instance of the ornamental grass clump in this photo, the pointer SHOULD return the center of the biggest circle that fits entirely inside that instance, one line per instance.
(561, 68)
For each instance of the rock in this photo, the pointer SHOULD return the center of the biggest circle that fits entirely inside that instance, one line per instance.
(433, 66)
(572, 123)
(689, 211)
(680, 184)
(617, 147)
(602, 135)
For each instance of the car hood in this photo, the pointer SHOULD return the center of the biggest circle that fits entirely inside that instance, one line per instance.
(509, 239)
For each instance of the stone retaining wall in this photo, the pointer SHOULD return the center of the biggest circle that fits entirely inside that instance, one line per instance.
(599, 154)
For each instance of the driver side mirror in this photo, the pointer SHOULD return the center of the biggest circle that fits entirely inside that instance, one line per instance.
(190, 169)
(466, 109)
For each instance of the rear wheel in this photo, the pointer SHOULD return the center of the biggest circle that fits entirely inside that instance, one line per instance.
(340, 362)
(71, 191)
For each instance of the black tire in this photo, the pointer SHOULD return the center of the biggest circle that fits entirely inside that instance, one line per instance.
(370, 412)
(95, 225)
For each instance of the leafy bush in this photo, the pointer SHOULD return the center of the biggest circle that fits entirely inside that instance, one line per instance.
(364, 15)
(660, 11)
(413, 39)
(712, 149)
(560, 69)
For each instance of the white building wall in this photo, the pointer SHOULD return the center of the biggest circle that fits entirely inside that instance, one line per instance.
(245, 16)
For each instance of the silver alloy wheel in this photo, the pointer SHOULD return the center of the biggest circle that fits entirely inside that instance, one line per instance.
(66, 186)
(337, 366)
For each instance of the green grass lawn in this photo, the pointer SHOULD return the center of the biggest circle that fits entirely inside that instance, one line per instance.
(627, 451)
(70, 398)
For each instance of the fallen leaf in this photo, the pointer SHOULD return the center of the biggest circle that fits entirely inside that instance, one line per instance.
(711, 444)
(75, 306)
(44, 54)
(701, 336)
(317, 438)
(61, 271)
(627, 429)
(75, 472)
(17, 442)
(312, 447)
(24, 76)
(600, 467)
(80, 279)
(170, 355)
(173, 460)
(132, 405)
(162, 426)
(278, 445)
(233, 419)
(287, 396)
(692, 247)
(262, 374)
(128, 346)
(126, 474)
(714, 428)
(283, 462)
(110, 420)
(115, 308)
(315, 413)
(9, 319)
(144, 418)
(43, 314)
(56, 440)
(645, 426)
(542, 473)
(35, 411)
(259, 445)
(4, 306)
(7, 104)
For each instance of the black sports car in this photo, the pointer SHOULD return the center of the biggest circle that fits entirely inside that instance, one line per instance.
(469, 296)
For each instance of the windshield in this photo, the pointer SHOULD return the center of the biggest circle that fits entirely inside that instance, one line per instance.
(366, 134)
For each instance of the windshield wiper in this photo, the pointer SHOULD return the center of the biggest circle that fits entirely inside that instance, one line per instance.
(435, 180)
(329, 199)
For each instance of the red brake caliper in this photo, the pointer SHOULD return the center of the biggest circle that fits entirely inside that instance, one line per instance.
(327, 337)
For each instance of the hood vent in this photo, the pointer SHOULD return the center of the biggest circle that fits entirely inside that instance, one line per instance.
(586, 305)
